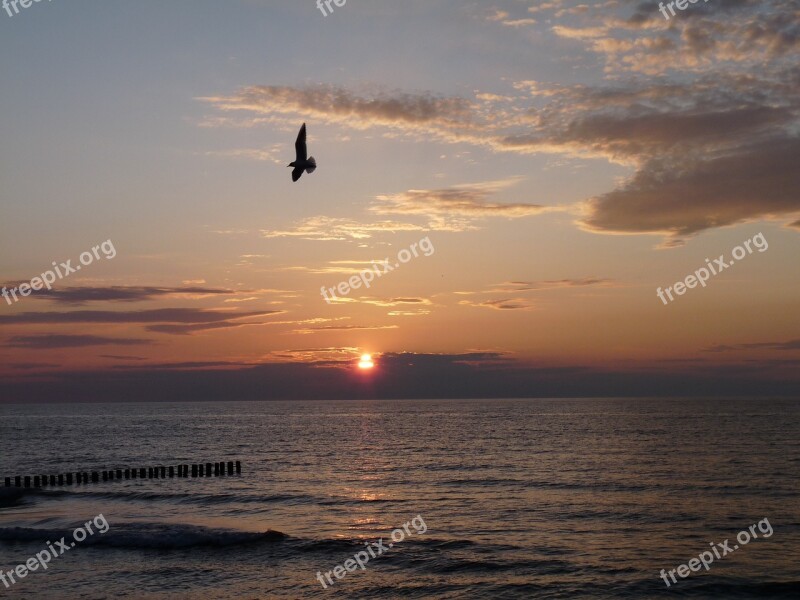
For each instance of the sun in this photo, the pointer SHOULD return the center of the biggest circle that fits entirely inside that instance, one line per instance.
(366, 362)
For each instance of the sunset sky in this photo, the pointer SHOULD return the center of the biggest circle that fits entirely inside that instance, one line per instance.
(565, 160)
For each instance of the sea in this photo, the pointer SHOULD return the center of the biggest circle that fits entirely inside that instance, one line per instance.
(521, 498)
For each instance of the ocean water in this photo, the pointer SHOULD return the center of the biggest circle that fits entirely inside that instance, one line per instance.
(581, 498)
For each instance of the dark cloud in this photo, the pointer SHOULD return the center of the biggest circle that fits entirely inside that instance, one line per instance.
(82, 295)
(161, 315)
(179, 366)
(52, 341)
(31, 366)
(182, 329)
(790, 345)
(683, 197)
(172, 321)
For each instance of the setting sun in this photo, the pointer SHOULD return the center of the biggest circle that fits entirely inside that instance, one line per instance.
(366, 362)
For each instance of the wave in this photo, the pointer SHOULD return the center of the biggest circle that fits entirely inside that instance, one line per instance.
(15, 496)
(11, 497)
(156, 536)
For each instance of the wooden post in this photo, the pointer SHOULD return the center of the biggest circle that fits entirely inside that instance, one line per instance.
(36, 481)
(238, 468)
(8, 481)
(194, 470)
(230, 467)
(17, 481)
(172, 471)
(119, 474)
(95, 477)
(52, 479)
(69, 478)
(61, 479)
(27, 481)
(105, 475)
(44, 480)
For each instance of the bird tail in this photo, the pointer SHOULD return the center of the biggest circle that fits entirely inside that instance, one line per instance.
(313, 164)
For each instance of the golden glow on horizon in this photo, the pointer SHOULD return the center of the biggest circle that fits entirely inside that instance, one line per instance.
(366, 362)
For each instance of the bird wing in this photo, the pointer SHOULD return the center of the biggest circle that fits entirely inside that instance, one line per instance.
(296, 173)
(300, 145)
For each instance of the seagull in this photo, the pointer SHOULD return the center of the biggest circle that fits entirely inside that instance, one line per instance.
(303, 162)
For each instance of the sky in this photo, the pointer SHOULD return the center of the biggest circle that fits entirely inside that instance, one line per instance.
(558, 162)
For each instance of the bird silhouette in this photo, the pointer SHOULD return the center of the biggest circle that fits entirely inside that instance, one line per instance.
(302, 162)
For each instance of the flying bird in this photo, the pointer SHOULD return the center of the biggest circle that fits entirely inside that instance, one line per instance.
(303, 162)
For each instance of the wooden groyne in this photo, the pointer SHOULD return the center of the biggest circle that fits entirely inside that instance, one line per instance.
(216, 469)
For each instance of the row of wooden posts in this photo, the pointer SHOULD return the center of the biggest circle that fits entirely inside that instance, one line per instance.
(216, 469)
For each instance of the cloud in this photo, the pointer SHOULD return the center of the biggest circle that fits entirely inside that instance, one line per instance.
(704, 110)
(176, 321)
(518, 287)
(182, 329)
(790, 345)
(31, 366)
(341, 267)
(309, 330)
(549, 284)
(82, 295)
(737, 33)
(207, 365)
(53, 341)
(323, 228)
(453, 209)
(501, 304)
(468, 200)
(389, 302)
(337, 105)
(682, 198)
(258, 154)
